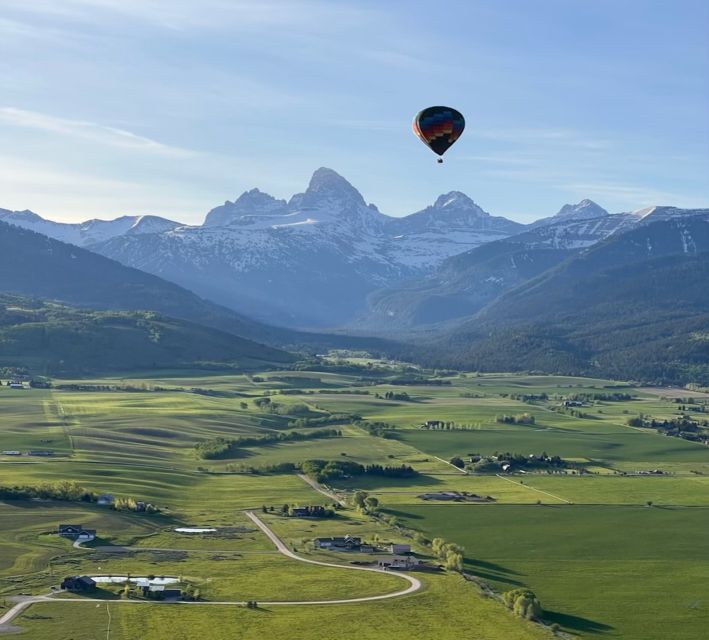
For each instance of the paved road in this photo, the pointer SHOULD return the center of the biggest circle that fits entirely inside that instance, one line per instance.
(22, 602)
(320, 489)
(458, 469)
(414, 583)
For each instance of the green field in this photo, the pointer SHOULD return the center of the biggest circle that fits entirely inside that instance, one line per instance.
(614, 571)
(602, 562)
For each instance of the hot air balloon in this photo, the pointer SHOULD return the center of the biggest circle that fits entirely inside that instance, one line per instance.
(439, 128)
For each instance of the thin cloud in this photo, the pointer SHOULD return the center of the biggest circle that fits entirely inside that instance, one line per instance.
(187, 15)
(110, 136)
(565, 137)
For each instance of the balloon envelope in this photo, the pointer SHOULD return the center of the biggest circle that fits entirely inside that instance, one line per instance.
(439, 127)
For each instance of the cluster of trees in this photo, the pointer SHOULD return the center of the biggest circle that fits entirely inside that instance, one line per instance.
(365, 503)
(220, 447)
(297, 409)
(603, 396)
(69, 491)
(682, 427)
(281, 467)
(332, 418)
(441, 425)
(434, 382)
(449, 553)
(131, 504)
(326, 471)
(494, 463)
(394, 395)
(311, 511)
(522, 418)
(63, 490)
(527, 397)
(378, 429)
(523, 602)
(141, 388)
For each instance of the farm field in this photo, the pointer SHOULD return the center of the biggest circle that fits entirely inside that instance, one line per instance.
(607, 571)
(464, 609)
(135, 437)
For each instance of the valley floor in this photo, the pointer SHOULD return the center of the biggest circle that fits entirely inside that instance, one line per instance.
(612, 543)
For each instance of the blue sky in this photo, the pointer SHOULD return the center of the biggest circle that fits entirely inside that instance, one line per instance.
(109, 107)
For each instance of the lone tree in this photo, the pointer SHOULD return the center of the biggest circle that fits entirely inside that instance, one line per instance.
(457, 462)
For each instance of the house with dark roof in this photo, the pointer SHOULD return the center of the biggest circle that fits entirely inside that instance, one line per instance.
(339, 543)
(105, 499)
(76, 532)
(78, 583)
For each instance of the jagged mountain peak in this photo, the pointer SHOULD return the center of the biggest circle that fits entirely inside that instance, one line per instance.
(250, 203)
(258, 199)
(456, 200)
(327, 184)
(586, 208)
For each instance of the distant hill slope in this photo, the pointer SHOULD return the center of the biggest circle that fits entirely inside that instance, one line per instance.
(35, 265)
(633, 306)
(465, 283)
(52, 338)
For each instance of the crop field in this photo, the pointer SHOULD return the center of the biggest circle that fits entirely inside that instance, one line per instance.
(612, 571)
(600, 559)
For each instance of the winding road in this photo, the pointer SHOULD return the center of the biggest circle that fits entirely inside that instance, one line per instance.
(414, 583)
(22, 602)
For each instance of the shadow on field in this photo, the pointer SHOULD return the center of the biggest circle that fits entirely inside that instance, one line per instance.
(491, 566)
(403, 514)
(493, 572)
(576, 623)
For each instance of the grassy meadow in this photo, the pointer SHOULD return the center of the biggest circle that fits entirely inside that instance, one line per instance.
(602, 562)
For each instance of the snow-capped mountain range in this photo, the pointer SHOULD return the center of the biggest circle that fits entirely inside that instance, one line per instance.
(314, 260)
(90, 232)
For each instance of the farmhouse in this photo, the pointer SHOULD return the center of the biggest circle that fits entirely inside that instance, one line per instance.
(78, 583)
(398, 562)
(105, 499)
(433, 424)
(76, 532)
(339, 543)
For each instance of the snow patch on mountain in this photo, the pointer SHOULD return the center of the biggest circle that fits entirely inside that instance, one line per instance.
(90, 232)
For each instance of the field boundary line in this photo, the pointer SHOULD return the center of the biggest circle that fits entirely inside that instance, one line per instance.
(526, 486)
(463, 471)
(320, 489)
